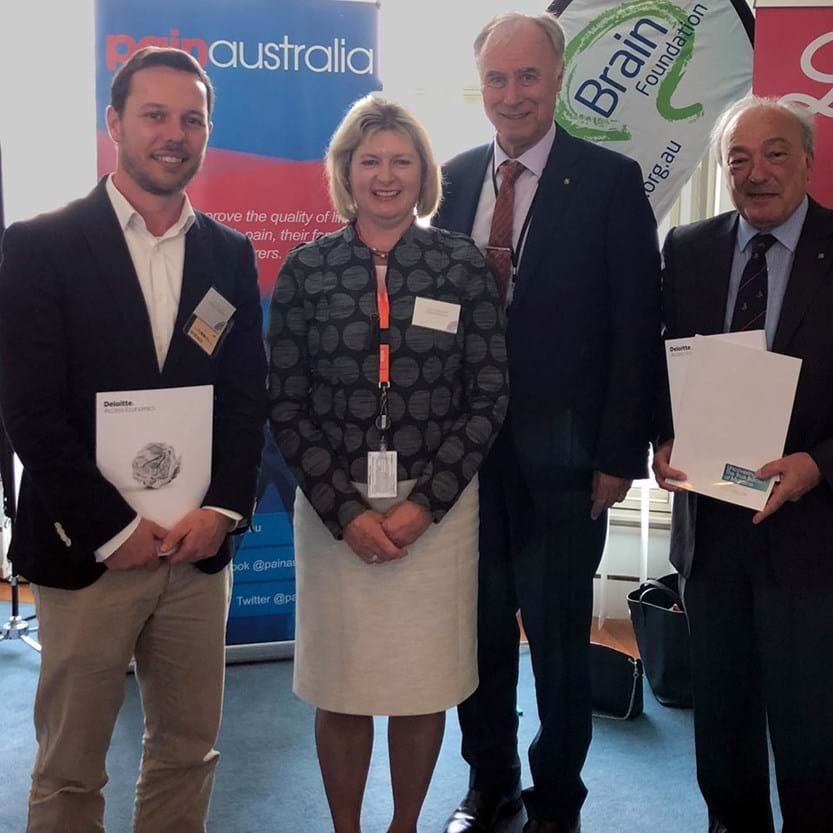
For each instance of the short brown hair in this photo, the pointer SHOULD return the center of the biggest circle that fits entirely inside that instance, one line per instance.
(156, 56)
(369, 115)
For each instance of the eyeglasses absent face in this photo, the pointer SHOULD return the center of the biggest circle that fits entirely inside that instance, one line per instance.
(520, 79)
(767, 167)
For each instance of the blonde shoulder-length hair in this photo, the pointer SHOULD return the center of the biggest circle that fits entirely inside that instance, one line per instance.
(366, 116)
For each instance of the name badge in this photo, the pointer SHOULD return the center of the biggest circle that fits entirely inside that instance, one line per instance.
(210, 322)
(381, 474)
(436, 315)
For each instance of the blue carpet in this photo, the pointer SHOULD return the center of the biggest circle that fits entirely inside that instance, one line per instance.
(640, 774)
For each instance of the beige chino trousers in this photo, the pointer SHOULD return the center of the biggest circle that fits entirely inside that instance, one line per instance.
(172, 620)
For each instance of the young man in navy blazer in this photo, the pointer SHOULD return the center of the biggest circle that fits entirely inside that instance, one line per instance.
(583, 339)
(96, 297)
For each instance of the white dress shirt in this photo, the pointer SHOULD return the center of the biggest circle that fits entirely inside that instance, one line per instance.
(526, 185)
(159, 263)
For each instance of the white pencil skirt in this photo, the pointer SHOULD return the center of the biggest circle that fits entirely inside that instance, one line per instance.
(396, 638)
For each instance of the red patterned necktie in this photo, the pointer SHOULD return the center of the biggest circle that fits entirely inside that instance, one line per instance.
(499, 250)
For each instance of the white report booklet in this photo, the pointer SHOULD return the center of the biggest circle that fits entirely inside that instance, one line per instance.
(154, 446)
(678, 351)
(733, 419)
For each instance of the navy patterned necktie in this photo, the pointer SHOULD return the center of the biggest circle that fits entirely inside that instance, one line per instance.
(750, 306)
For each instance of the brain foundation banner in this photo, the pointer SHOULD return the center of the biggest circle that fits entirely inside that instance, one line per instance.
(284, 74)
(648, 78)
(794, 59)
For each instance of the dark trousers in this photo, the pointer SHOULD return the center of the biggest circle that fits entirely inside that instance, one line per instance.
(539, 551)
(762, 655)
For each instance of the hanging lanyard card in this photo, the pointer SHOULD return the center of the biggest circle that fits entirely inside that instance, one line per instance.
(381, 474)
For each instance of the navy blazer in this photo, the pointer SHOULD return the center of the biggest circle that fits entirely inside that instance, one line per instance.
(697, 266)
(73, 322)
(583, 328)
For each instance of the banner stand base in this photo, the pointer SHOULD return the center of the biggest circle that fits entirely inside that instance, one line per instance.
(260, 652)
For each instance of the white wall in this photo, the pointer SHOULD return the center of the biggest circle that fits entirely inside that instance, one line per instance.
(47, 103)
(428, 63)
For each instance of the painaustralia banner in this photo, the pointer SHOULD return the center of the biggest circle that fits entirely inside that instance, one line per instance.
(284, 75)
(648, 78)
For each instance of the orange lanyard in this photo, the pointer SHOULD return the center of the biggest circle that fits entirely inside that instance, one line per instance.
(383, 306)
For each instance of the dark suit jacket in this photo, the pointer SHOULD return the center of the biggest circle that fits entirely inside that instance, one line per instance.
(698, 260)
(73, 322)
(583, 328)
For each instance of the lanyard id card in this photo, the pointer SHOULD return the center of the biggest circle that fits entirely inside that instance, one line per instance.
(381, 474)
(382, 464)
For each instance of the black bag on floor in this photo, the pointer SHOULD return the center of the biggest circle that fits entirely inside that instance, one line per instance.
(661, 632)
(615, 683)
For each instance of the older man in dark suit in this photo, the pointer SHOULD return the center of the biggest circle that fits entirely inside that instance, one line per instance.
(96, 297)
(759, 587)
(569, 232)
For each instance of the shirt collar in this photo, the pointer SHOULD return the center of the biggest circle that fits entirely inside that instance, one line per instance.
(127, 214)
(534, 159)
(786, 234)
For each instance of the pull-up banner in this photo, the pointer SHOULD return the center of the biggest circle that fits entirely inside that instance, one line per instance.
(284, 75)
(794, 60)
(649, 78)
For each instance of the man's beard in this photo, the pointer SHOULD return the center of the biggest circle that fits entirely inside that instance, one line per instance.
(158, 188)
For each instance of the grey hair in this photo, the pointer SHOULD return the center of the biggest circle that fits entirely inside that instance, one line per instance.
(804, 118)
(549, 23)
(369, 115)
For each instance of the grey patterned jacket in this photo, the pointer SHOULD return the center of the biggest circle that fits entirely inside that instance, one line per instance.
(449, 392)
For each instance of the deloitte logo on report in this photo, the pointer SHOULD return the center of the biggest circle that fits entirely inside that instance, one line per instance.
(639, 48)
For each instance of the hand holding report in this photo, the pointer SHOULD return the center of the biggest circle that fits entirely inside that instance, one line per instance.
(734, 417)
(797, 474)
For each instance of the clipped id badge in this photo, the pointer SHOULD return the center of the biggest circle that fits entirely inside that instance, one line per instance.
(381, 474)
(210, 322)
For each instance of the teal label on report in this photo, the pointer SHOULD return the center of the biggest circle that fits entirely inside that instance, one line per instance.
(744, 477)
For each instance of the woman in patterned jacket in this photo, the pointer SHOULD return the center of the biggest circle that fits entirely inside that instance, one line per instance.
(388, 384)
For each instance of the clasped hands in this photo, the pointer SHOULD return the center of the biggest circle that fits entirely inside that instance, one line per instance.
(197, 536)
(376, 538)
(798, 473)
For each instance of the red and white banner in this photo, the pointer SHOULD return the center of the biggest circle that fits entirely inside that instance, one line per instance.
(794, 59)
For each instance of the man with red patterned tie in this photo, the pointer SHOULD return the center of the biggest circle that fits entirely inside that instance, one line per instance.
(571, 236)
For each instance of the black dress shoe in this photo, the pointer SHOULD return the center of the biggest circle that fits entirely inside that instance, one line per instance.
(479, 811)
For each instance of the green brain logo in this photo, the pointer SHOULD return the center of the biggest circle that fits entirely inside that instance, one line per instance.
(651, 58)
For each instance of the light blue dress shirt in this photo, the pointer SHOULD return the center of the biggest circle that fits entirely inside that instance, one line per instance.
(779, 261)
